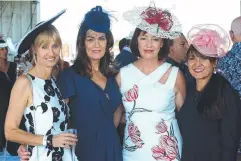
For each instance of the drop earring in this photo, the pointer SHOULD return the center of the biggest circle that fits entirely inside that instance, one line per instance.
(215, 70)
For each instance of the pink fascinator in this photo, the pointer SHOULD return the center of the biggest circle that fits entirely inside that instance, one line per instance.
(209, 39)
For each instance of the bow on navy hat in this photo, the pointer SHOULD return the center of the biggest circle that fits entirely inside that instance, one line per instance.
(96, 20)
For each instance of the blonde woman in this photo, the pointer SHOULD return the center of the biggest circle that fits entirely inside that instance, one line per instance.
(36, 97)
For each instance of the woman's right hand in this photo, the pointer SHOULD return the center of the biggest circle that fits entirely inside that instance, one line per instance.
(23, 153)
(65, 140)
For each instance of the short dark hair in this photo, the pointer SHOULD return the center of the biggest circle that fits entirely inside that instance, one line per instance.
(192, 49)
(134, 45)
(82, 63)
(170, 43)
(124, 42)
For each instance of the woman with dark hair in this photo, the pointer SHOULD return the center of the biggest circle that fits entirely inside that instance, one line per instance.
(83, 63)
(92, 91)
(210, 117)
(135, 47)
(151, 89)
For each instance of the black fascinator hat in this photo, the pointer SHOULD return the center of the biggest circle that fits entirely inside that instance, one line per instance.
(25, 43)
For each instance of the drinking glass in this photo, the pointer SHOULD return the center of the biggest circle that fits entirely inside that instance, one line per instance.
(73, 131)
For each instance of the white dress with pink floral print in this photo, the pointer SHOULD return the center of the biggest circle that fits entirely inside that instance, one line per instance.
(151, 132)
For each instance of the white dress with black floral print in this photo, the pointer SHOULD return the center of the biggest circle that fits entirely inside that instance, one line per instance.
(152, 132)
(48, 114)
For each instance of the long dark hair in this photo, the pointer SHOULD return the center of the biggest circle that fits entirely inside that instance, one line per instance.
(212, 102)
(82, 64)
(134, 45)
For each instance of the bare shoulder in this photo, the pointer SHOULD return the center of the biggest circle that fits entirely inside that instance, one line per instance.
(180, 90)
(21, 93)
(23, 80)
(118, 79)
(22, 83)
(180, 81)
(180, 77)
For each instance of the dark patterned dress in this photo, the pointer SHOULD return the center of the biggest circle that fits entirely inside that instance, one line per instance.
(48, 114)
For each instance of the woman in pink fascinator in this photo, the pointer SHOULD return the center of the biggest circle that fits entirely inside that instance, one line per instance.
(210, 117)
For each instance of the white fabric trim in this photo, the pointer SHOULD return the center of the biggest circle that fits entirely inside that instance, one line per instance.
(3, 45)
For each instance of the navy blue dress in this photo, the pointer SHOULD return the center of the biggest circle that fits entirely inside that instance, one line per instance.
(92, 112)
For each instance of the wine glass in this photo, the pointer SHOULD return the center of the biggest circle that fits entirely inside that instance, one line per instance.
(73, 131)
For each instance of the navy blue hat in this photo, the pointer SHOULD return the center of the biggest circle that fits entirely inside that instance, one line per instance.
(25, 43)
(96, 20)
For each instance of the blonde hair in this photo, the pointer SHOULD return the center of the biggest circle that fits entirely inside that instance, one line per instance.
(45, 37)
(49, 34)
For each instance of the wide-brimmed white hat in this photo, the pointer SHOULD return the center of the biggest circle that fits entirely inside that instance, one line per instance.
(155, 21)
